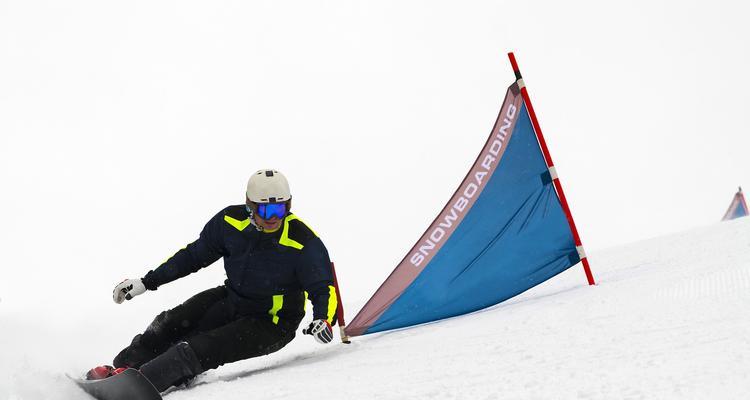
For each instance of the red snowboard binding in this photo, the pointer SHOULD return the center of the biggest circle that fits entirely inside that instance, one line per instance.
(103, 371)
(109, 383)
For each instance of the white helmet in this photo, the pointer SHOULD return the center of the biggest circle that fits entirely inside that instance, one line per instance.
(268, 186)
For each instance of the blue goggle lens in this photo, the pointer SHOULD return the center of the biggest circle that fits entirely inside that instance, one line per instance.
(270, 210)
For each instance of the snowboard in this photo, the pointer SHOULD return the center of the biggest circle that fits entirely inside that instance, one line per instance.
(127, 385)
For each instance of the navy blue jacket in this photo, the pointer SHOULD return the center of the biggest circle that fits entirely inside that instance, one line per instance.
(268, 274)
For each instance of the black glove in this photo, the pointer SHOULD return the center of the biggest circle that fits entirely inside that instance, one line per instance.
(321, 330)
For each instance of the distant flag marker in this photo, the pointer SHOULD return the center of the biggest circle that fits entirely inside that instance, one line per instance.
(506, 229)
(737, 208)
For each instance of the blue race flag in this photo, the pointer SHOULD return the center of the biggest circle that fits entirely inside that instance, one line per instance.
(503, 232)
(737, 208)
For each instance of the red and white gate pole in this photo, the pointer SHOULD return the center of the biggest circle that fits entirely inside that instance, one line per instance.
(340, 309)
(553, 172)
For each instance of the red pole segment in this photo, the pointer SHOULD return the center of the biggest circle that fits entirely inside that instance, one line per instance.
(551, 166)
(340, 308)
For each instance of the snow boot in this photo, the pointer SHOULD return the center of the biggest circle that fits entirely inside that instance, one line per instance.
(103, 371)
(176, 366)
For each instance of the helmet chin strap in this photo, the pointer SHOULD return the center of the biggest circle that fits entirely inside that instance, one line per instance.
(252, 221)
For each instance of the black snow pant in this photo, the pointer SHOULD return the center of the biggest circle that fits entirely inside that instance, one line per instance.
(200, 334)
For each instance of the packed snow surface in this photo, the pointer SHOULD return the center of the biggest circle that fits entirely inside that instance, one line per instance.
(668, 319)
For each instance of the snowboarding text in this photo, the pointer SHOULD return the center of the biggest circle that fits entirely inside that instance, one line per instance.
(428, 242)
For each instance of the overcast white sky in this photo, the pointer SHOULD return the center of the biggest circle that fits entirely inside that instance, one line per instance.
(124, 126)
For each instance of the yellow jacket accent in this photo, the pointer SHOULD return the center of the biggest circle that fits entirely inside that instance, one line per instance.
(285, 240)
(240, 225)
(278, 303)
(333, 303)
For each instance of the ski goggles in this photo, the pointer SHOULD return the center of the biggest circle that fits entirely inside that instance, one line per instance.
(269, 210)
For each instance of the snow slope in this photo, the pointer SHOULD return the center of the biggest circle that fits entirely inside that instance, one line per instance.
(668, 319)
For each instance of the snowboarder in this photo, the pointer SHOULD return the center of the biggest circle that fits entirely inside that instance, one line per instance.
(274, 263)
